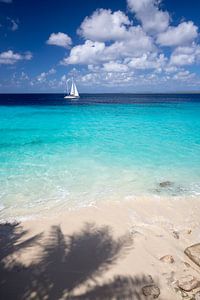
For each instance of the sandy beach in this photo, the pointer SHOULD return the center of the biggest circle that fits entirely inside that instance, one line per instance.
(109, 251)
(100, 150)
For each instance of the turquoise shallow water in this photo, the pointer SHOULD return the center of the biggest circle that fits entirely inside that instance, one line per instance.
(56, 157)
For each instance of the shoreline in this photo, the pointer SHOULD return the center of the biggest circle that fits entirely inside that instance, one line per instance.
(134, 235)
(62, 208)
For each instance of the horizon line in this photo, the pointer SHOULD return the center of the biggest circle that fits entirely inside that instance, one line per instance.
(101, 93)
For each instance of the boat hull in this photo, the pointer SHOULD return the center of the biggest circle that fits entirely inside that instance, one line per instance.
(71, 97)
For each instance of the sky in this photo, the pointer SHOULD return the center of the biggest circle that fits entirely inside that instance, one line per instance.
(105, 45)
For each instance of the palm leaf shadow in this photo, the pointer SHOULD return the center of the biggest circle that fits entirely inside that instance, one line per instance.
(15, 278)
(120, 287)
(64, 264)
(70, 262)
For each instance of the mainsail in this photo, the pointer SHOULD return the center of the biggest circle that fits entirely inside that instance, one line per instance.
(74, 91)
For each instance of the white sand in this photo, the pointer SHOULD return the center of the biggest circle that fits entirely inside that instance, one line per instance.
(157, 227)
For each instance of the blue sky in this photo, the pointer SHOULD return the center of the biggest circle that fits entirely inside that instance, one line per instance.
(108, 46)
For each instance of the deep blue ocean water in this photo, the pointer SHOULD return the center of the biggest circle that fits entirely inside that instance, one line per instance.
(57, 154)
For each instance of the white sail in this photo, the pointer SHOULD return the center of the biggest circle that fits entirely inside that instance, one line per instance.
(72, 89)
(76, 91)
(74, 94)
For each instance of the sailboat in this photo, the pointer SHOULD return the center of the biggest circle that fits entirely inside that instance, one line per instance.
(73, 92)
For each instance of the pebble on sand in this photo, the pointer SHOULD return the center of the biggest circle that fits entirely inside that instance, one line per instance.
(167, 259)
(193, 252)
(188, 283)
(175, 234)
(151, 290)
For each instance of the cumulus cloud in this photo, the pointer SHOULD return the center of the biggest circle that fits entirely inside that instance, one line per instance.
(143, 62)
(134, 41)
(149, 14)
(97, 53)
(111, 36)
(183, 34)
(148, 61)
(10, 58)
(117, 50)
(59, 39)
(87, 53)
(104, 25)
(113, 66)
(113, 43)
(187, 55)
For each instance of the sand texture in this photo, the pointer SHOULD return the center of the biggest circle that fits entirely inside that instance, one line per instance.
(128, 250)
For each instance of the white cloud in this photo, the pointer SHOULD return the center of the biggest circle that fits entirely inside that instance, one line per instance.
(117, 52)
(148, 61)
(182, 59)
(187, 55)
(113, 66)
(135, 43)
(184, 75)
(43, 76)
(108, 79)
(115, 49)
(59, 39)
(10, 58)
(183, 34)
(152, 18)
(105, 25)
(138, 82)
(145, 61)
(89, 52)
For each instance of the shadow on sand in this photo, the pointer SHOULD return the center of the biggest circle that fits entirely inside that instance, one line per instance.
(65, 264)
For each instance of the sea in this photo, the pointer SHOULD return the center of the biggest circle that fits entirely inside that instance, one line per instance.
(58, 154)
